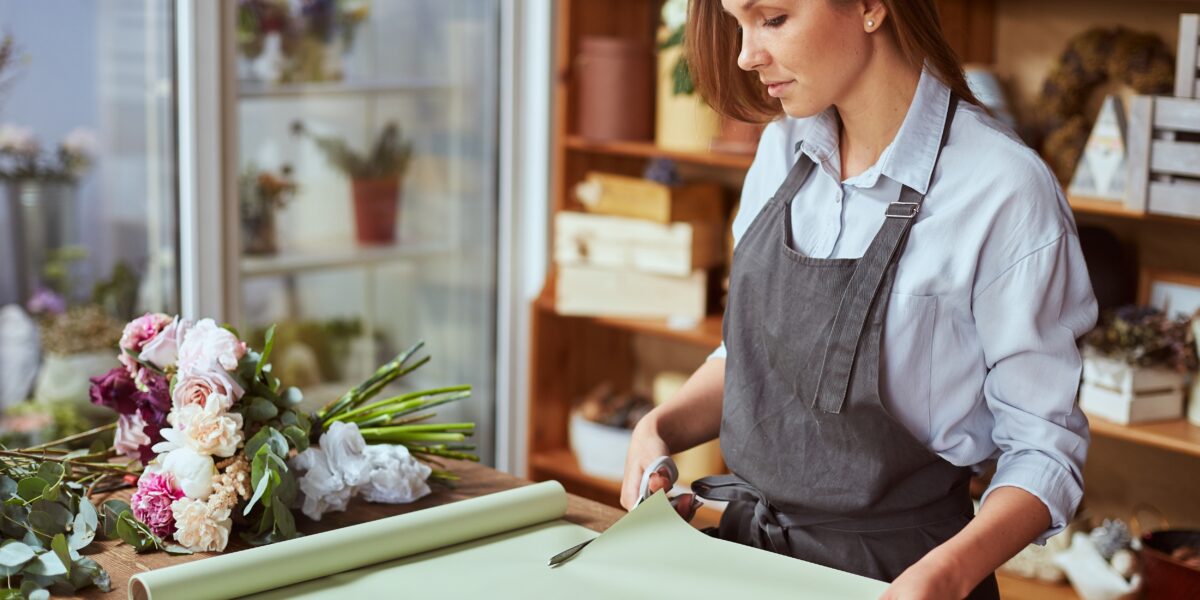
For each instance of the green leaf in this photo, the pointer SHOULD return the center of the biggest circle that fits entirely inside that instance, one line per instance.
(51, 492)
(31, 488)
(50, 472)
(38, 594)
(82, 533)
(47, 564)
(293, 397)
(278, 443)
(11, 594)
(288, 418)
(8, 487)
(285, 523)
(297, 437)
(261, 410)
(256, 441)
(110, 513)
(49, 517)
(88, 513)
(59, 546)
(30, 587)
(15, 554)
(259, 477)
(86, 571)
(98, 446)
(266, 352)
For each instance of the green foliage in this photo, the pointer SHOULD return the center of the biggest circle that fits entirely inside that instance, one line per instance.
(389, 156)
(45, 522)
(274, 487)
(681, 73)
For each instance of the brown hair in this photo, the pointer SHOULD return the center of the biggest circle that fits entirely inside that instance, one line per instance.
(713, 44)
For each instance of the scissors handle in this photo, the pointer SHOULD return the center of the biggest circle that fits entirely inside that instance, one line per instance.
(656, 466)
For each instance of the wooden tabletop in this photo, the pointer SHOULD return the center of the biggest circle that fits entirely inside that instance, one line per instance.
(122, 562)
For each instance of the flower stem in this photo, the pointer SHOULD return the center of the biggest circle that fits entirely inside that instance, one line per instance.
(382, 376)
(73, 438)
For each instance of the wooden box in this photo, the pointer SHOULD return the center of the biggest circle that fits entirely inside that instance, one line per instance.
(589, 291)
(634, 244)
(1187, 61)
(623, 196)
(1164, 156)
(1129, 394)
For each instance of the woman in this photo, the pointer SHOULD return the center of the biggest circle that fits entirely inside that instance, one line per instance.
(905, 306)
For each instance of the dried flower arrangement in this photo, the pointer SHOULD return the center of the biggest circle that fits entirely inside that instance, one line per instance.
(1145, 336)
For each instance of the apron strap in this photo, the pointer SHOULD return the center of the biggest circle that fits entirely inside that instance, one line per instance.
(862, 293)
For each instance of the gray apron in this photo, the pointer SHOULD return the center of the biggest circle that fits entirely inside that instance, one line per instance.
(822, 472)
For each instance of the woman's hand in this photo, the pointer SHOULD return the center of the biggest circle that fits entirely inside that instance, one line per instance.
(644, 446)
(930, 578)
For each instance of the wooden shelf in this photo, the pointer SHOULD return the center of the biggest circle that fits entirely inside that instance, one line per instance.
(337, 256)
(1176, 436)
(561, 465)
(706, 334)
(254, 89)
(1095, 206)
(1013, 587)
(649, 150)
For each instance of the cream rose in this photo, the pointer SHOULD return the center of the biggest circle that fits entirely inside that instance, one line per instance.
(200, 527)
(207, 429)
(196, 387)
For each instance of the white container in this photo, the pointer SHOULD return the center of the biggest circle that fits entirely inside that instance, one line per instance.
(1129, 394)
(600, 449)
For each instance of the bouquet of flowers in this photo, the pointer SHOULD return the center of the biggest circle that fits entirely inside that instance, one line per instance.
(221, 438)
(21, 155)
(1145, 336)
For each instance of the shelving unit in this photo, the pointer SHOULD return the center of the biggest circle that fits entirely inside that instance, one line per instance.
(334, 257)
(255, 89)
(572, 354)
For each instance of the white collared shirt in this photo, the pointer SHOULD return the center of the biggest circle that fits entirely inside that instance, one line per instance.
(979, 358)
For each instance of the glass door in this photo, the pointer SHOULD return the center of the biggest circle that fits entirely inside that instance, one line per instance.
(88, 201)
(367, 166)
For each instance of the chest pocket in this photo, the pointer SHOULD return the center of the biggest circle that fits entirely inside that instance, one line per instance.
(906, 361)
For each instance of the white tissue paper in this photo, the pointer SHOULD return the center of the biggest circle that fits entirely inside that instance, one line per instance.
(344, 466)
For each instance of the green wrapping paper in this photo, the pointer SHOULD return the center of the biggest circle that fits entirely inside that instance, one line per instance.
(311, 557)
(497, 546)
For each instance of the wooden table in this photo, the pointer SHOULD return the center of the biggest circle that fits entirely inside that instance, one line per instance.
(122, 562)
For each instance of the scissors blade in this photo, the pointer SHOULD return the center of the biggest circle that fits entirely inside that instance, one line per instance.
(568, 554)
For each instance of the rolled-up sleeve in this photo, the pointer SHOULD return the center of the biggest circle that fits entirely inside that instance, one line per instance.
(1028, 319)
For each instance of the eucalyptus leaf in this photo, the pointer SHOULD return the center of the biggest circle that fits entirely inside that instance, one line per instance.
(110, 513)
(8, 487)
(82, 533)
(50, 472)
(256, 441)
(285, 523)
(15, 554)
(47, 564)
(261, 410)
(293, 396)
(296, 436)
(38, 594)
(59, 546)
(30, 587)
(31, 488)
(10, 594)
(87, 512)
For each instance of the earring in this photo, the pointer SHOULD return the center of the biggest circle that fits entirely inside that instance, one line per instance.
(870, 24)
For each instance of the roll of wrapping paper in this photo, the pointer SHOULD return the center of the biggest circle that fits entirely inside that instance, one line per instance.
(311, 557)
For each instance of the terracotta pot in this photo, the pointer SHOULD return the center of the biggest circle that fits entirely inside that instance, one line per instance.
(615, 96)
(1166, 578)
(376, 205)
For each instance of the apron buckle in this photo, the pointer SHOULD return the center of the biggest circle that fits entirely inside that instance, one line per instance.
(903, 210)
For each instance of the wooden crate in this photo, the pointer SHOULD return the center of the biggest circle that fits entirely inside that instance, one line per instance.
(1187, 61)
(1164, 156)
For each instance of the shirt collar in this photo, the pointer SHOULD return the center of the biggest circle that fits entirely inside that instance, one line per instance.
(909, 159)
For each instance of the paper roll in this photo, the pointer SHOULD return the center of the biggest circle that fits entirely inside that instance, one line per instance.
(311, 557)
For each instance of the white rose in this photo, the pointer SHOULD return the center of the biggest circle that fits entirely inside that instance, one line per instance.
(206, 345)
(207, 429)
(193, 471)
(322, 488)
(344, 444)
(163, 349)
(200, 527)
(196, 387)
(396, 476)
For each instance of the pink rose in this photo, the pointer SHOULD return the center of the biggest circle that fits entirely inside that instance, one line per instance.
(207, 346)
(130, 435)
(151, 502)
(163, 349)
(136, 335)
(196, 387)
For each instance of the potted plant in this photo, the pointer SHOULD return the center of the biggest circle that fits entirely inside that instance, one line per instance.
(262, 193)
(1135, 366)
(683, 120)
(375, 179)
(282, 41)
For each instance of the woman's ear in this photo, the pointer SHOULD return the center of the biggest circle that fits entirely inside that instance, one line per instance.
(873, 14)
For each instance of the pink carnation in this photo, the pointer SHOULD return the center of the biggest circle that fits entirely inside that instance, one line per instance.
(136, 335)
(151, 502)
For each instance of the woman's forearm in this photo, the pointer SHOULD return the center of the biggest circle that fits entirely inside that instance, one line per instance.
(693, 415)
(1010, 520)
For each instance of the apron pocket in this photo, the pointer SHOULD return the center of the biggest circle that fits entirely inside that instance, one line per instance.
(906, 361)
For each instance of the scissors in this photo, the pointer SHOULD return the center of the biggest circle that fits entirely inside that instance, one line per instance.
(662, 465)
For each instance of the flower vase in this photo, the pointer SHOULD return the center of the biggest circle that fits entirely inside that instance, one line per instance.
(43, 221)
(376, 207)
(682, 121)
(258, 231)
